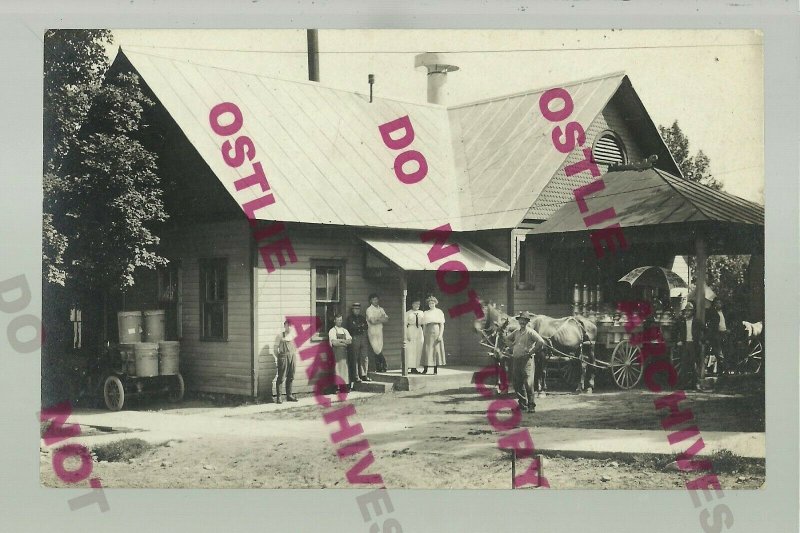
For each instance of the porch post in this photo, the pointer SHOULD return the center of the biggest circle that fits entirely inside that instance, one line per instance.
(404, 285)
(700, 279)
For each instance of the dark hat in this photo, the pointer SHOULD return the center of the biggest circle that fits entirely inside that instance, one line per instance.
(523, 315)
(356, 304)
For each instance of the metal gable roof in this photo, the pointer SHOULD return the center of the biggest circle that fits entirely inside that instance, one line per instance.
(508, 154)
(320, 148)
(650, 197)
(326, 163)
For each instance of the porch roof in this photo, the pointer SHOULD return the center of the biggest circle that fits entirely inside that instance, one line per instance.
(411, 254)
(654, 197)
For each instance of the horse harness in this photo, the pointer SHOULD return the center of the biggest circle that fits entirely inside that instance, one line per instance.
(584, 337)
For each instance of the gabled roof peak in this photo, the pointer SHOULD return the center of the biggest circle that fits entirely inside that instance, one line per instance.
(127, 51)
(619, 74)
(321, 148)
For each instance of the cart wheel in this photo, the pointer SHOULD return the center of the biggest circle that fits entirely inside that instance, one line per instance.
(176, 394)
(113, 393)
(754, 359)
(625, 365)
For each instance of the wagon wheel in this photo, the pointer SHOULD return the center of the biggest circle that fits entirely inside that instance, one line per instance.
(113, 393)
(176, 394)
(753, 360)
(625, 365)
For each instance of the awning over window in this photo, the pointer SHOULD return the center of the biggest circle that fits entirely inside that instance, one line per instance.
(411, 254)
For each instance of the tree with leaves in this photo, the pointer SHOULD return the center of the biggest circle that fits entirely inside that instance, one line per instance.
(102, 199)
(102, 195)
(693, 167)
(724, 273)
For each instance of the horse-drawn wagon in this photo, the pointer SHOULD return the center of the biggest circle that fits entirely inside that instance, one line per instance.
(597, 343)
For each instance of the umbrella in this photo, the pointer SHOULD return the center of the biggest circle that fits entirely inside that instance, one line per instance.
(653, 276)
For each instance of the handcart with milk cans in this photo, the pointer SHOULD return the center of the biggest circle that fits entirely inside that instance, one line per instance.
(143, 363)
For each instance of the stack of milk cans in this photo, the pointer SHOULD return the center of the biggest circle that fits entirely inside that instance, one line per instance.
(142, 348)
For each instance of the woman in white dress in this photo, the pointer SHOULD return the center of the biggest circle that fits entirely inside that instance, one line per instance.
(414, 337)
(339, 339)
(433, 330)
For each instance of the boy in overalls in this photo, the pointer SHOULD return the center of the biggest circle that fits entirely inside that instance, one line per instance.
(286, 356)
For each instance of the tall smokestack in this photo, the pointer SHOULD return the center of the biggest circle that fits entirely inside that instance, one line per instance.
(437, 68)
(313, 54)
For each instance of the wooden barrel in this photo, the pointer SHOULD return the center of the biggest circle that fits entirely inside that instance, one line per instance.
(153, 325)
(146, 359)
(129, 324)
(168, 357)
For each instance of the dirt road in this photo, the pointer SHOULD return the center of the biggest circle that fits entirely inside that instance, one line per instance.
(429, 440)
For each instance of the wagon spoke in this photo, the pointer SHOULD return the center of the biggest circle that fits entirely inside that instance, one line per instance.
(627, 377)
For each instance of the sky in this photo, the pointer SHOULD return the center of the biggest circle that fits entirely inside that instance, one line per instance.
(711, 81)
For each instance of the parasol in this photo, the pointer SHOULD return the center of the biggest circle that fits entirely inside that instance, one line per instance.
(653, 276)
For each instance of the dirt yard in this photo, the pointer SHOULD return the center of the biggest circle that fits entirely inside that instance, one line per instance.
(434, 440)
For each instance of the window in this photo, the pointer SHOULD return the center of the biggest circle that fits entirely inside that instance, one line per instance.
(608, 149)
(213, 299)
(168, 283)
(327, 291)
(525, 265)
(77, 326)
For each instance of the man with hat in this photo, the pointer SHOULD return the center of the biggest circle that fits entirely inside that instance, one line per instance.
(358, 361)
(523, 342)
(689, 342)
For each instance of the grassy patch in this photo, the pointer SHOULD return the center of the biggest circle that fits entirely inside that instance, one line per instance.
(121, 450)
(727, 461)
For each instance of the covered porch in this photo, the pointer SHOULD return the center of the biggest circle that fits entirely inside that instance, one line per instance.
(661, 216)
(405, 258)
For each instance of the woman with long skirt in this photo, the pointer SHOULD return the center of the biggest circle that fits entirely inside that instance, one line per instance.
(433, 332)
(414, 337)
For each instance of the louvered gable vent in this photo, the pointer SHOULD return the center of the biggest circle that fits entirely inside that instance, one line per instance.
(608, 149)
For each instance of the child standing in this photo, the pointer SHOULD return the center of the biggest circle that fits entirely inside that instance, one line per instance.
(286, 356)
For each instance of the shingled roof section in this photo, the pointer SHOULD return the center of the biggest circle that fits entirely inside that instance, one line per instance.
(505, 154)
(654, 197)
(637, 125)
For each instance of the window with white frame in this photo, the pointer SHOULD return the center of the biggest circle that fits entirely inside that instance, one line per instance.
(327, 290)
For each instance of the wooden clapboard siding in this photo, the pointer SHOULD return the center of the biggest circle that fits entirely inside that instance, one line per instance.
(534, 298)
(461, 340)
(287, 292)
(215, 366)
(490, 287)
